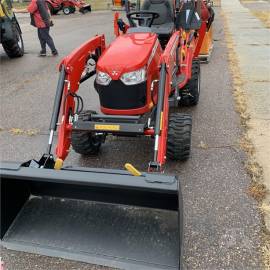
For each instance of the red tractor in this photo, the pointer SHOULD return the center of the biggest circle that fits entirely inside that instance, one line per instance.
(68, 6)
(150, 68)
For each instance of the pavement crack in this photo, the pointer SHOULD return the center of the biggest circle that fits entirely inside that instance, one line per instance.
(233, 146)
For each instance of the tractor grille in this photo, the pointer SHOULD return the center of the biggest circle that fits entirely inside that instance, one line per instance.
(119, 96)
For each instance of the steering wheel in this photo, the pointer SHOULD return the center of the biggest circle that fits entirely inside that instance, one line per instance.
(143, 18)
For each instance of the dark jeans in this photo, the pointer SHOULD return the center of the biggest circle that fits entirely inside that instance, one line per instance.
(45, 38)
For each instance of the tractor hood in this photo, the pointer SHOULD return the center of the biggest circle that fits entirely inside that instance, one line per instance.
(127, 53)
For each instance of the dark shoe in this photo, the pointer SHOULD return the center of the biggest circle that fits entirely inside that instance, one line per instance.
(55, 53)
(42, 54)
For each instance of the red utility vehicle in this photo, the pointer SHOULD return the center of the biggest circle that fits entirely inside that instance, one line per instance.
(142, 77)
(151, 66)
(68, 6)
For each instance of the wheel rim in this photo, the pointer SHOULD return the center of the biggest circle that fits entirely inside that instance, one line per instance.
(20, 42)
(66, 10)
(19, 39)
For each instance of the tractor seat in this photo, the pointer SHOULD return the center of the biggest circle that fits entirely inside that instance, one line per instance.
(164, 25)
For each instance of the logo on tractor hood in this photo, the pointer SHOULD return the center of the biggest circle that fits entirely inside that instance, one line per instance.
(115, 72)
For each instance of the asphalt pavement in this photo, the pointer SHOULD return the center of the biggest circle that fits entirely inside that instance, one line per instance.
(222, 223)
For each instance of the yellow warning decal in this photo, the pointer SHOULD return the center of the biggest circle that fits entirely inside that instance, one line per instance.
(107, 127)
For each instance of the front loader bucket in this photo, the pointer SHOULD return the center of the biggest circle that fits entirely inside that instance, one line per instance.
(106, 217)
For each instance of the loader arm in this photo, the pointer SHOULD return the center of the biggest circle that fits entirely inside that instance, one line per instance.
(74, 65)
(167, 63)
(188, 51)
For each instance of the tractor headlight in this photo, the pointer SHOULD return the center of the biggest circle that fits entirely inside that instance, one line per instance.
(134, 77)
(103, 78)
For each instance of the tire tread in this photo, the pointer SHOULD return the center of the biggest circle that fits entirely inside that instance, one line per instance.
(82, 141)
(179, 136)
(12, 47)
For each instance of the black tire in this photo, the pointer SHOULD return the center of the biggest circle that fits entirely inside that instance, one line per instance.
(84, 142)
(191, 92)
(72, 9)
(14, 47)
(179, 136)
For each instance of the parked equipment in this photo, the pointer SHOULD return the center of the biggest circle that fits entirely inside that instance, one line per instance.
(10, 31)
(120, 4)
(151, 67)
(68, 6)
(208, 45)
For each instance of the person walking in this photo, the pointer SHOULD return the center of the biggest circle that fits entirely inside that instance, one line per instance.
(41, 19)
